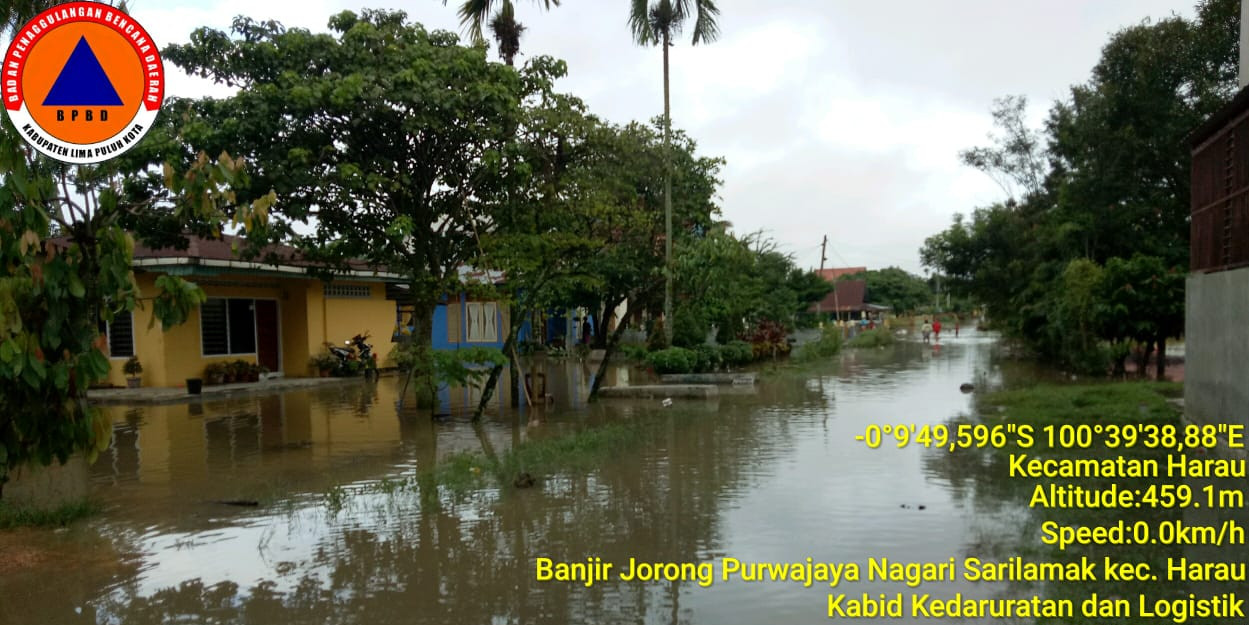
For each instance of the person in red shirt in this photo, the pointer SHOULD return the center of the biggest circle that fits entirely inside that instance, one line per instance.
(936, 329)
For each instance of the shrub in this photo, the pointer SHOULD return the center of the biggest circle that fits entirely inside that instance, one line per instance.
(689, 329)
(709, 358)
(768, 339)
(655, 337)
(634, 352)
(467, 367)
(826, 346)
(673, 360)
(737, 353)
(879, 337)
(399, 354)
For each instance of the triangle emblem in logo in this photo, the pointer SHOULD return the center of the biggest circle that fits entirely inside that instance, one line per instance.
(82, 81)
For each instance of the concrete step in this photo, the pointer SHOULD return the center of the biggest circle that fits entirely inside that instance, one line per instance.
(662, 391)
(709, 378)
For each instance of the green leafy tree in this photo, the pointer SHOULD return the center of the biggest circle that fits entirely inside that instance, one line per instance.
(616, 199)
(66, 243)
(1117, 184)
(534, 240)
(894, 287)
(388, 137)
(1016, 161)
(58, 290)
(1144, 300)
(734, 284)
(657, 23)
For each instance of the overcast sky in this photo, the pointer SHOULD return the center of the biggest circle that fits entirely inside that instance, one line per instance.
(837, 117)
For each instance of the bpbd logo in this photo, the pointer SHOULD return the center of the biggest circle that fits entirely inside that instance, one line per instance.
(82, 82)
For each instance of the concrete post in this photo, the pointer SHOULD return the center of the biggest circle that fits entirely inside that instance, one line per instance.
(1244, 43)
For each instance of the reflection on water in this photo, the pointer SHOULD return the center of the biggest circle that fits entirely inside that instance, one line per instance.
(770, 476)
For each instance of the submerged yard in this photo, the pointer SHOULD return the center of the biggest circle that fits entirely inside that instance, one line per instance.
(367, 513)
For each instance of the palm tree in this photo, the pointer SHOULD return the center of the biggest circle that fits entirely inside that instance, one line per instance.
(656, 23)
(16, 13)
(503, 25)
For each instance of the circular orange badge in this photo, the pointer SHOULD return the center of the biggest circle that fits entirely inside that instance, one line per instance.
(82, 82)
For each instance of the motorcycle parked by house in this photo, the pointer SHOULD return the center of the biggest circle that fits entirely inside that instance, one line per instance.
(355, 357)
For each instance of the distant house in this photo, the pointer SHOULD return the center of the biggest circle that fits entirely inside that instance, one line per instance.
(460, 321)
(275, 314)
(846, 300)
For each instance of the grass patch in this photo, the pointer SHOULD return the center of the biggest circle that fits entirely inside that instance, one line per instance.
(580, 450)
(879, 337)
(23, 516)
(1107, 402)
(1119, 402)
(462, 473)
(827, 346)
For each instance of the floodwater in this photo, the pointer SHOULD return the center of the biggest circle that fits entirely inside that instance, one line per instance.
(770, 476)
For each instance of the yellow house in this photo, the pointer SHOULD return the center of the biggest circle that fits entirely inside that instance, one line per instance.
(276, 315)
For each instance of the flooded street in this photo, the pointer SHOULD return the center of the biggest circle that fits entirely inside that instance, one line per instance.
(773, 476)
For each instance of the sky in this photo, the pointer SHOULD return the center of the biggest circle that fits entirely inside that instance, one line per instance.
(837, 118)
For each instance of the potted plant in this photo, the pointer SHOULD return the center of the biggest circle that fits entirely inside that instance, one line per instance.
(264, 372)
(253, 372)
(133, 369)
(241, 369)
(214, 373)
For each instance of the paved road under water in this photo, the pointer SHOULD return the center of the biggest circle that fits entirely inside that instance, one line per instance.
(774, 476)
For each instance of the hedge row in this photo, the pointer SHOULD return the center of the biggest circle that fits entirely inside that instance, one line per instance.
(700, 359)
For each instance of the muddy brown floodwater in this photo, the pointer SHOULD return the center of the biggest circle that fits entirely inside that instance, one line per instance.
(773, 476)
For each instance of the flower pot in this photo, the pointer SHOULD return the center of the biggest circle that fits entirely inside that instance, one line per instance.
(133, 382)
(194, 386)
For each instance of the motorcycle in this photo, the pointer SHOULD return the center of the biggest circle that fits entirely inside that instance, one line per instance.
(357, 350)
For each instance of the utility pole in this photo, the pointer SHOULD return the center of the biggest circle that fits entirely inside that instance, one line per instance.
(819, 306)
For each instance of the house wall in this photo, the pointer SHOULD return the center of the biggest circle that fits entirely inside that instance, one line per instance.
(1216, 340)
(296, 328)
(345, 317)
(149, 343)
(449, 331)
(184, 352)
(306, 320)
(1216, 332)
(446, 326)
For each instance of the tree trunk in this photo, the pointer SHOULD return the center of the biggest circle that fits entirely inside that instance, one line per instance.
(422, 349)
(609, 349)
(1143, 368)
(509, 345)
(1162, 357)
(1120, 369)
(601, 332)
(667, 201)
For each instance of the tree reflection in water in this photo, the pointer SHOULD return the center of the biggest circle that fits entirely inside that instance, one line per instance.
(473, 561)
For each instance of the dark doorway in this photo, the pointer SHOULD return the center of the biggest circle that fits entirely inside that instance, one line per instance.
(267, 348)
